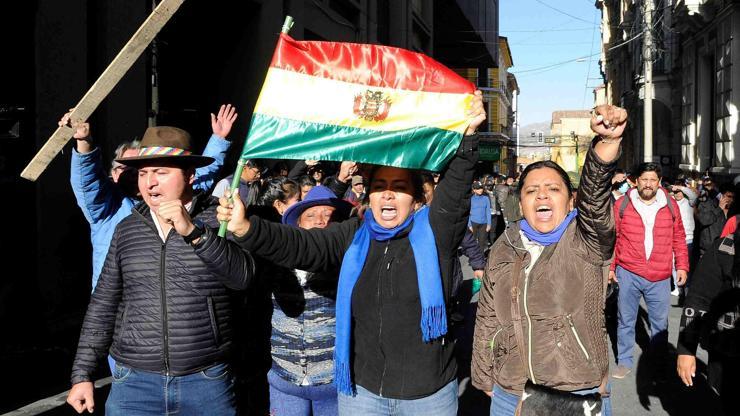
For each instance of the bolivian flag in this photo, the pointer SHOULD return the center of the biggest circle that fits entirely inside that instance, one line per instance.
(364, 103)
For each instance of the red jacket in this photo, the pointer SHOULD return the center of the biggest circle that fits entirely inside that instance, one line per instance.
(669, 238)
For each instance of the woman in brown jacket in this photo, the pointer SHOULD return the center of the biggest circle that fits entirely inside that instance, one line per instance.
(540, 313)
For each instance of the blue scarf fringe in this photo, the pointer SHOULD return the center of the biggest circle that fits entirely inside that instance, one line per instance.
(429, 279)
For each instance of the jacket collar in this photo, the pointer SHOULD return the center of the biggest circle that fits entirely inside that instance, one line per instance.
(513, 238)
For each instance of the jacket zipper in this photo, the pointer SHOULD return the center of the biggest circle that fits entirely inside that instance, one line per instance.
(578, 339)
(529, 329)
(165, 329)
(380, 316)
(493, 340)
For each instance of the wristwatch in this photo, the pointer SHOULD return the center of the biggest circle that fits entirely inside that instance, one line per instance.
(197, 232)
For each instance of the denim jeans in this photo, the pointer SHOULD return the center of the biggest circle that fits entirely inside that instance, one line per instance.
(138, 393)
(658, 300)
(288, 399)
(504, 403)
(365, 403)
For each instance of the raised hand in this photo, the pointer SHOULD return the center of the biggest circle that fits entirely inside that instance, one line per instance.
(609, 121)
(82, 129)
(346, 170)
(476, 113)
(222, 123)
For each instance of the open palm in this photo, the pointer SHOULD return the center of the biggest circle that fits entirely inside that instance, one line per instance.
(222, 123)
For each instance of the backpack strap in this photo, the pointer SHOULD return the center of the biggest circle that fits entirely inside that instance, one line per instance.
(623, 205)
(670, 204)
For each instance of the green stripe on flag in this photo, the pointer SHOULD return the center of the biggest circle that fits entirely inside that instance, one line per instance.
(426, 148)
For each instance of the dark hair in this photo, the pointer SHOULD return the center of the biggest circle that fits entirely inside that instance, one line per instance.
(619, 171)
(427, 178)
(417, 182)
(647, 167)
(726, 187)
(280, 166)
(546, 164)
(278, 189)
(306, 180)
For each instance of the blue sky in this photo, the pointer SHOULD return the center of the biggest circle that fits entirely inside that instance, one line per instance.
(542, 39)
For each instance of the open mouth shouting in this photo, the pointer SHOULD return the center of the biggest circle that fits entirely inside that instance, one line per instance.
(543, 212)
(388, 212)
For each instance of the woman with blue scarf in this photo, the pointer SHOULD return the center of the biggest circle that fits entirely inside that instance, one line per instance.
(540, 319)
(393, 355)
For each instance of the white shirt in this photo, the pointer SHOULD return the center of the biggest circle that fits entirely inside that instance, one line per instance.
(534, 249)
(687, 217)
(648, 212)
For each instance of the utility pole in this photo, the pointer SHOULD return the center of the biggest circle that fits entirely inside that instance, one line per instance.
(575, 140)
(647, 59)
(516, 125)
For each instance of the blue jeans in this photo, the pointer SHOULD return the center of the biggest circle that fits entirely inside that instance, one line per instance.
(504, 403)
(658, 300)
(365, 403)
(288, 399)
(138, 393)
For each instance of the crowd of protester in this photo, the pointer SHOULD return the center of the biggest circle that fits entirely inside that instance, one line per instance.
(338, 289)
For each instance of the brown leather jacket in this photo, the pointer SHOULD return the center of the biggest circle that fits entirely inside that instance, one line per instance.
(549, 326)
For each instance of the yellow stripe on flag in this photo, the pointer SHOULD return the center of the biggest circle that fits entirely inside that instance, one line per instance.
(295, 96)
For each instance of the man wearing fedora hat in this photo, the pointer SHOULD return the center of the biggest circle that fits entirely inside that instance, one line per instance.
(105, 199)
(162, 308)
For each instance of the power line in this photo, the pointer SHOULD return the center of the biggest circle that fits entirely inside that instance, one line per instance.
(550, 44)
(580, 29)
(527, 44)
(561, 12)
(554, 65)
(588, 71)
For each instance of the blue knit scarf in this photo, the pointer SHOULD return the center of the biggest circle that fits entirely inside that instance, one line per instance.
(433, 314)
(548, 238)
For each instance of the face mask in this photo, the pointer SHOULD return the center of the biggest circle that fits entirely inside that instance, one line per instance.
(624, 187)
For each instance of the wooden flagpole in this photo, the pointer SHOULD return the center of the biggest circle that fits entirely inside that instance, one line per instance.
(103, 86)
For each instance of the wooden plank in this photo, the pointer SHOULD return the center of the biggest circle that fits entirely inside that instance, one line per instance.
(103, 86)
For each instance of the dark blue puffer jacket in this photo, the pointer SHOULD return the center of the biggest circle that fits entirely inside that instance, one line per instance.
(163, 306)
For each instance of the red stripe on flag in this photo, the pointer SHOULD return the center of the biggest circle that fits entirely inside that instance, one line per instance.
(372, 65)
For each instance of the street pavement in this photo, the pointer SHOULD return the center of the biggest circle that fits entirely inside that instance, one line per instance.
(652, 388)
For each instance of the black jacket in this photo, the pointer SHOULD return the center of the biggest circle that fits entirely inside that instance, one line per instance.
(712, 307)
(163, 306)
(389, 357)
(710, 220)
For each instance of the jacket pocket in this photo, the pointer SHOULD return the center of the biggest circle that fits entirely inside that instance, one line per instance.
(569, 343)
(578, 340)
(123, 327)
(498, 347)
(214, 322)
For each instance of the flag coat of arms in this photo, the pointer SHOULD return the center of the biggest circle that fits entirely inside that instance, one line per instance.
(356, 102)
